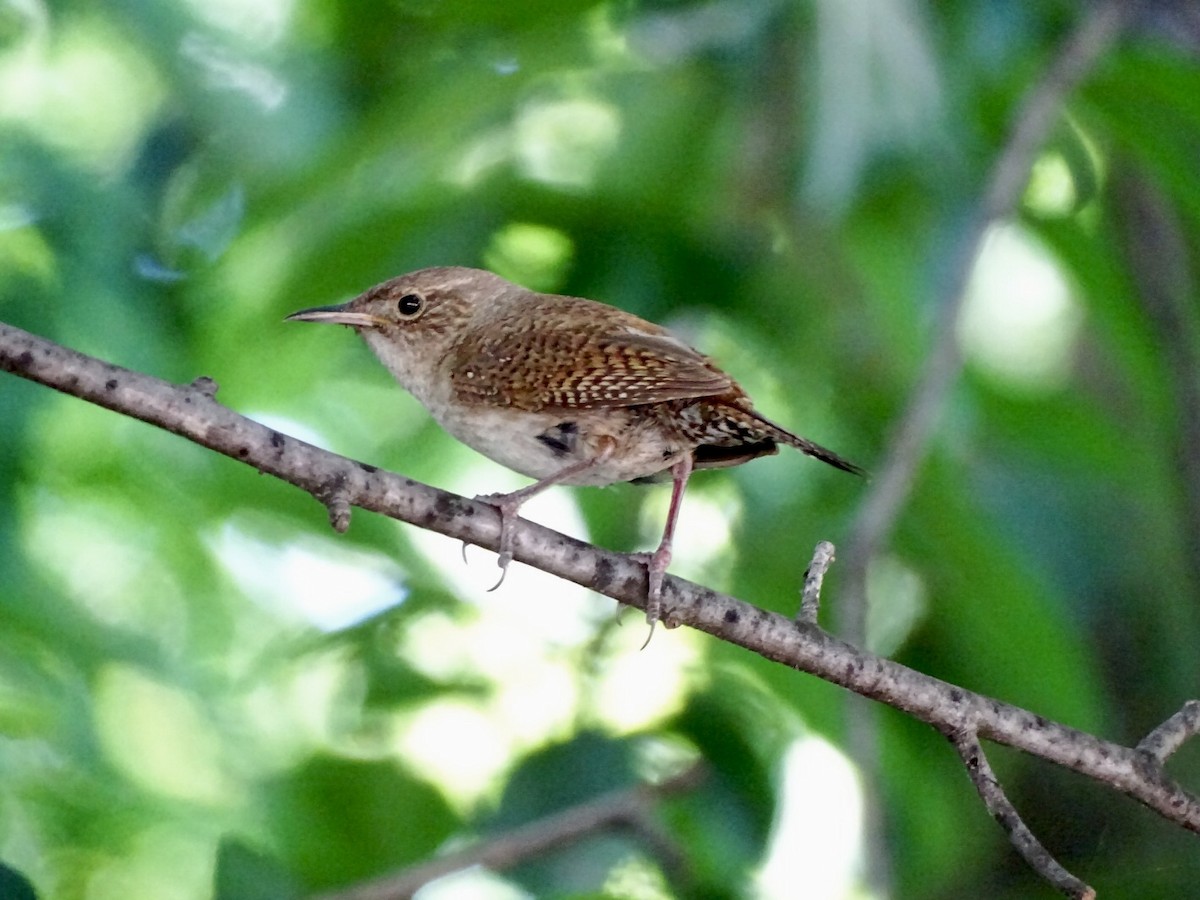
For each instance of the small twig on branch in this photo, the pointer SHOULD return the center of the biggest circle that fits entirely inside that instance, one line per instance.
(627, 809)
(1168, 737)
(966, 742)
(196, 415)
(337, 501)
(206, 385)
(814, 578)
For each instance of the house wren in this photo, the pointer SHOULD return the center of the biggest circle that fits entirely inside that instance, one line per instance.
(562, 389)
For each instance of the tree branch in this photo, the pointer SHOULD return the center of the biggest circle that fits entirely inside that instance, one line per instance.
(892, 483)
(814, 578)
(966, 742)
(1158, 256)
(1036, 117)
(1172, 734)
(193, 412)
(628, 809)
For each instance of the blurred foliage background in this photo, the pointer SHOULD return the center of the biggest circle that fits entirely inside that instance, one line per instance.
(204, 691)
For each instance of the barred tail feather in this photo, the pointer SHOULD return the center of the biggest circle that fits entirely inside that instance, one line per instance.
(783, 436)
(826, 456)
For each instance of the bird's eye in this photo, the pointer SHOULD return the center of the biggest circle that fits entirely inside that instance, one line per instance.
(410, 304)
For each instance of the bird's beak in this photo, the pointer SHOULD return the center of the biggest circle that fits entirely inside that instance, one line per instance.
(336, 315)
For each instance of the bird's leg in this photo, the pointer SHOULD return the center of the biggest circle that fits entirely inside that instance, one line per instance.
(508, 505)
(657, 562)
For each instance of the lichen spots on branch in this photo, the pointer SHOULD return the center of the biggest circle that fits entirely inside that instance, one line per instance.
(605, 573)
(206, 385)
(447, 506)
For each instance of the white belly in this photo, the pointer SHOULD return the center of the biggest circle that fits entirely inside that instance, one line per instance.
(530, 443)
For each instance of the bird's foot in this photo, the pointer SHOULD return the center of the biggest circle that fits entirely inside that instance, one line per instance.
(507, 505)
(656, 568)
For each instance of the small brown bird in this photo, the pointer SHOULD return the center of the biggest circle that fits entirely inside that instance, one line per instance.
(562, 389)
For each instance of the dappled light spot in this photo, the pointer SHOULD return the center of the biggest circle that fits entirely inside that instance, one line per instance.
(330, 586)
(817, 838)
(87, 93)
(157, 734)
(564, 142)
(532, 255)
(896, 604)
(1021, 323)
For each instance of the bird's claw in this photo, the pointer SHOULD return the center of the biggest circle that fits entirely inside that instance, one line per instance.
(649, 634)
(502, 561)
(656, 568)
(508, 512)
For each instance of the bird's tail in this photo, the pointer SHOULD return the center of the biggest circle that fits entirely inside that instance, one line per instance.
(783, 436)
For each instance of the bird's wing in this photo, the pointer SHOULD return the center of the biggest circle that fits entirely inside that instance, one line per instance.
(567, 369)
